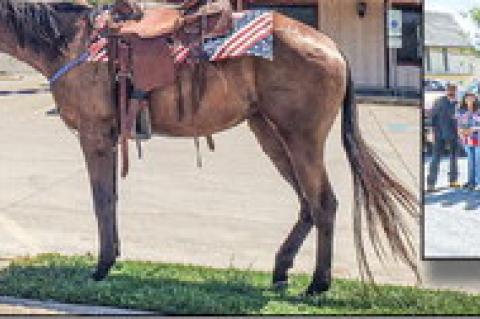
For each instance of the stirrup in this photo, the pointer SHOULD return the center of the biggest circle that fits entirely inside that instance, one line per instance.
(143, 125)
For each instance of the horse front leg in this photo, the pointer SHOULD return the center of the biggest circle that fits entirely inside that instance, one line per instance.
(98, 142)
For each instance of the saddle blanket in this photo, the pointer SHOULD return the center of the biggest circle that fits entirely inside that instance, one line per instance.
(251, 35)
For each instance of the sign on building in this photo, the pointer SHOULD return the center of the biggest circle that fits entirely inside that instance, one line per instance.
(394, 29)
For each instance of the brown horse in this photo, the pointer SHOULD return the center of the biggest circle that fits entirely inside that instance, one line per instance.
(290, 104)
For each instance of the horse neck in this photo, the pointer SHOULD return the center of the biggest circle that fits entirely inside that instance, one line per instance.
(37, 59)
(9, 45)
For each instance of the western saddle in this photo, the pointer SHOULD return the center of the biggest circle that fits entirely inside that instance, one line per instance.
(141, 59)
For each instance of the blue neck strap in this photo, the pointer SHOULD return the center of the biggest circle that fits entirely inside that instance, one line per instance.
(68, 67)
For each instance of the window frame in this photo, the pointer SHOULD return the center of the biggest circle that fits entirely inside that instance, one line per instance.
(418, 9)
(246, 4)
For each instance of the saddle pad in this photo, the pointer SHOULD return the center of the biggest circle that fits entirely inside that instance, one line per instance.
(252, 35)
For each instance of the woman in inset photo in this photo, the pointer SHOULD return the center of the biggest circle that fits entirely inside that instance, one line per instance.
(468, 117)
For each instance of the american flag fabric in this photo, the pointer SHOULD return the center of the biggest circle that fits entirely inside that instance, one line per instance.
(97, 49)
(471, 120)
(180, 53)
(98, 52)
(252, 35)
(471, 139)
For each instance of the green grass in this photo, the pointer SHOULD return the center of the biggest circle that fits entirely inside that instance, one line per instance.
(182, 289)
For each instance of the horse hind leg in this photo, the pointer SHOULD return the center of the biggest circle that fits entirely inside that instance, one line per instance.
(307, 162)
(274, 148)
(289, 249)
(323, 216)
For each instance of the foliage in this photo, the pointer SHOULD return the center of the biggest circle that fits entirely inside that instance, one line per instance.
(185, 289)
(475, 15)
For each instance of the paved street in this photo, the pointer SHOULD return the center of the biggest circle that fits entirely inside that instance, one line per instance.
(234, 212)
(452, 218)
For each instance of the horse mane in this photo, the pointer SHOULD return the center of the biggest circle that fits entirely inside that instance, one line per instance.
(40, 26)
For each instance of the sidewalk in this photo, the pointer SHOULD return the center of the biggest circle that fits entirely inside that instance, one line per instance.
(16, 306)
(388, 100)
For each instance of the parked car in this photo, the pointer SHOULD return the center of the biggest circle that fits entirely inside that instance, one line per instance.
(434, 85)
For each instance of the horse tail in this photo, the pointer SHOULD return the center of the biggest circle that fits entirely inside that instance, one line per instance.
(377, 194)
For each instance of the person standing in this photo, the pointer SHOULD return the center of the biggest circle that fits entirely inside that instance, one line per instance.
(468, 120)
(445, 133)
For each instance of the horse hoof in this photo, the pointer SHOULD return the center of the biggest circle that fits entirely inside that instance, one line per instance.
(316, 289)
(280, 285)
(98, 276)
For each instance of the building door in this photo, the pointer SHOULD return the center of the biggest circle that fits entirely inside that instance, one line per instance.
(407, 60)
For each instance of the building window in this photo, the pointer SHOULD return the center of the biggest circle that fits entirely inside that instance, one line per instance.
(411, 51)
(428, 62)
(303, 11)
(435, 59)
(445, 60)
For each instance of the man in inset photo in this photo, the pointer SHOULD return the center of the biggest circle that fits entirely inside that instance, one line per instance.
(445, 137)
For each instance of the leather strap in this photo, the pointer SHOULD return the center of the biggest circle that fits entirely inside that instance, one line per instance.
(123, 76)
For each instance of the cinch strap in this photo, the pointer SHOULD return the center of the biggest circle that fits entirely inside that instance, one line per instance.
(68, 67)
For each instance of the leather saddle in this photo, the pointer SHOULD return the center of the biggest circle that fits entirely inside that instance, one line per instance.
(150, 37)
(141, 60)
(150, 40)
(155, 22)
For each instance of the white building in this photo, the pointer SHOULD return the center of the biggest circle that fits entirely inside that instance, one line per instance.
(448, 49)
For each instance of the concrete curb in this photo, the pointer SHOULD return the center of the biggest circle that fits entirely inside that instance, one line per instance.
(17, 306)
(388, 100)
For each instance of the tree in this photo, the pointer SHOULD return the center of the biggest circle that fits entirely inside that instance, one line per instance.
(475, 15)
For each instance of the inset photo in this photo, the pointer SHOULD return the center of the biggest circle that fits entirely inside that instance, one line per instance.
(452, 129)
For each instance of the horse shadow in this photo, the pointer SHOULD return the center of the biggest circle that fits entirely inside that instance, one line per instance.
(166, 294)
(453, 197)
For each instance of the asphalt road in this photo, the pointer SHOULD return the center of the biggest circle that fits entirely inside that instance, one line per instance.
(452, 218)
(235, 211)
